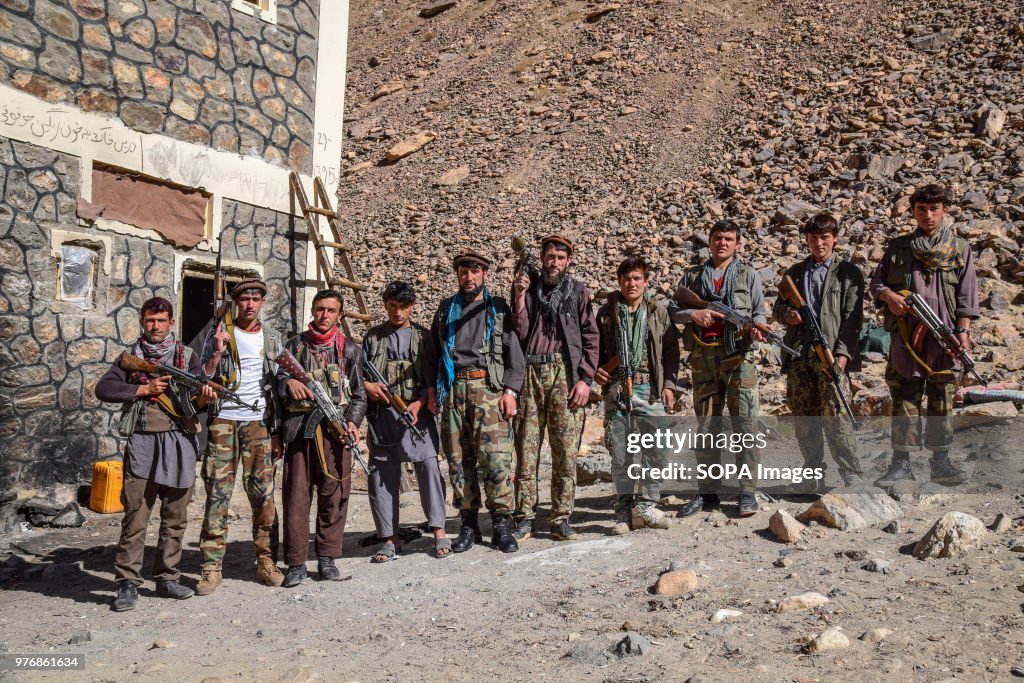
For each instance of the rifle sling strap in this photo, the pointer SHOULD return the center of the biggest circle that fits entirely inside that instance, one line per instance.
(235, 380)
(319, 441)
(901, 324)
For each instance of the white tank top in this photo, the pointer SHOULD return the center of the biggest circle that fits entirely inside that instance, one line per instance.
(251, 390)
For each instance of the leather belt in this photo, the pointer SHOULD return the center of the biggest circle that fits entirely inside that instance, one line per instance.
(641, 377)
(471, 373)
(546, 358)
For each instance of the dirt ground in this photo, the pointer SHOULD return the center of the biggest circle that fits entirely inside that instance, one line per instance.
(550, 611)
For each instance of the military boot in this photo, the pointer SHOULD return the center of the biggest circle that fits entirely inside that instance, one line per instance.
(943, 471)
(748, 504)
(523, 529)
(469, 534)
(699, 503)
(209, 581)
(899, 470)
(621, 527)
(267, 572)
(170, 588)
(502, 539)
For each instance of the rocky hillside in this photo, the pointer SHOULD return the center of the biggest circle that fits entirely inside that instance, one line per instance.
(632, 126)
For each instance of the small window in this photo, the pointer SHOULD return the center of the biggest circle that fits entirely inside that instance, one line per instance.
(78, 275)
(263, 9)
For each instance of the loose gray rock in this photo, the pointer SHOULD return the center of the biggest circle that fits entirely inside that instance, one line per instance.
(70, 516)
(878, 566)
(632, 644)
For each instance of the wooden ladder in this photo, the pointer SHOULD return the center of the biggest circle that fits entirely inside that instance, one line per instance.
(326, 271)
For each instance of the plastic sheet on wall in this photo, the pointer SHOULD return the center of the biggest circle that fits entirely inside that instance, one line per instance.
(77, 275)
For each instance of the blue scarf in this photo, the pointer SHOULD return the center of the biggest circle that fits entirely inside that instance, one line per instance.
(446, 377)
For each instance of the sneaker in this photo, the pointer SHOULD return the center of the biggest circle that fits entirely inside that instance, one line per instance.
(944, 473)
(209, 581)
(523, 529)
(267, 572)
(127, 596)
(325, 567)
(562, 531)
(899, 470)
(296, 575)
(170, 588)
(648, 516)
(748, 504)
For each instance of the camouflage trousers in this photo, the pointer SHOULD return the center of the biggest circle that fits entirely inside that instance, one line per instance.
(231, 443)
(646, 417)
(721, 381)
(810, 394)
(907, 396)
(474, 433)
(544, 405)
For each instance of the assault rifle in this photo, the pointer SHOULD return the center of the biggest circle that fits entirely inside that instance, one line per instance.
(789, 292)
(621, 365)
(133, 363)
(324, 408)
(220, 296)
(942, 333)
(394, 399)
(526, 261)
(687, 296)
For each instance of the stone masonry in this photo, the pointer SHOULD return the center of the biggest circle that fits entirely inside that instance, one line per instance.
(52, 427)
(194, 70)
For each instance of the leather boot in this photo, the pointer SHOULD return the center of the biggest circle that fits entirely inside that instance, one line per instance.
(748, 504)
(899, 470)
(700, 502)
(503, 539)
(127, 596)
(209, 581)
(469, 534)
(943, 471)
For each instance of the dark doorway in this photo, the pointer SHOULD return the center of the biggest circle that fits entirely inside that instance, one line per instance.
(196, 310)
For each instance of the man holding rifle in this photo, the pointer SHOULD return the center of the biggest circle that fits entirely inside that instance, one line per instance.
(821, 299)
(639, 361)
(401, 428)
(938, 267)
(553, 319)
(322, 460)
(158, 417)
(721, 358)
(239, 351)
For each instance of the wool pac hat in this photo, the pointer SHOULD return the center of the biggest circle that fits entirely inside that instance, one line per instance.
(247, 284)
(468, 257)
(558, 239)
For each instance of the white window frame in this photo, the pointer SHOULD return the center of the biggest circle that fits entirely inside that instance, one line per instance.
(261, 9)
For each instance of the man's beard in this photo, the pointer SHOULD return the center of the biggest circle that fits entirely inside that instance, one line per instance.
(470, 294)
(550, 279)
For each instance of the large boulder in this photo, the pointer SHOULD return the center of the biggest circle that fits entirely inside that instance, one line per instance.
(851, 511)
(952, 536)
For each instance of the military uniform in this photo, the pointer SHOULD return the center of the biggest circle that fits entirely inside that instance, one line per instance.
(654, 352)
(561, 349)
(835, 290)
(321, 464)
(477, 357)
(237, 437)
(916, 370)
(721, 360)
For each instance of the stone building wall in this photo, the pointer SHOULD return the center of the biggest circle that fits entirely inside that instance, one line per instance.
(194, 70)
(52, 427)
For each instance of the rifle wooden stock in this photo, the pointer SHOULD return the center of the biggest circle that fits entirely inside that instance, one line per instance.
(135, 364)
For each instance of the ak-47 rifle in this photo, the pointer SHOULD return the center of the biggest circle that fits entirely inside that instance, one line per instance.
(942, 333)
(526, 262)
(742, 322)
(621, 365)
(132, 363)
(222, 314)
(400, 406)
(789, 292)
(325, 409)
